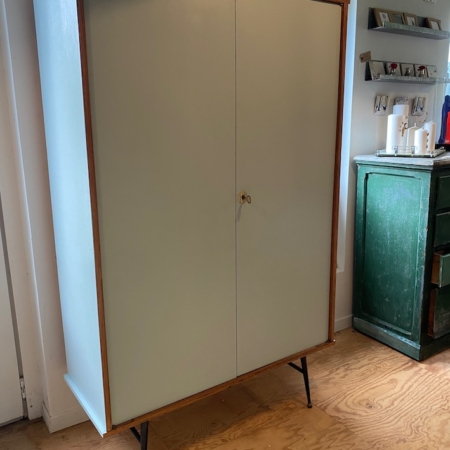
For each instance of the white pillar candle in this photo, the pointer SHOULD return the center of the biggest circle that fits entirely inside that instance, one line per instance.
(396, 135)
(410, 136)
(420, 141)
(430, 128)
(401, 110)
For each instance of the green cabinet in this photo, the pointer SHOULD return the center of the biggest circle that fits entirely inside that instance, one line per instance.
(402, 239)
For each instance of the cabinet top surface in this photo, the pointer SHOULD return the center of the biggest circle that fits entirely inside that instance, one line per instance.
(440, 162)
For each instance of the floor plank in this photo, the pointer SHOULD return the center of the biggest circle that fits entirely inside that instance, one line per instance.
(365, 396)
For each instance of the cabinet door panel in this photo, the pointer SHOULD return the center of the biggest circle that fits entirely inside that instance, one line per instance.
(390, 263)
(162, 85)
(287, 92)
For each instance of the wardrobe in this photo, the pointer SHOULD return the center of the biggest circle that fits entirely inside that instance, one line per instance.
(193, 153)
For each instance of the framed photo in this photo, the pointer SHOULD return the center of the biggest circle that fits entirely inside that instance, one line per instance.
(410, 19)
(420, 70)
(396, 17)
(434, 24)
(393, 68)
(432, 71)
(407, 70)
(381, 16)
(381, 105)
(376, 69)
(418, 106)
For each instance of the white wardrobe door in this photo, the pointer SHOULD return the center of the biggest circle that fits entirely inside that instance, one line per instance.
(287, 91)
(163, 90)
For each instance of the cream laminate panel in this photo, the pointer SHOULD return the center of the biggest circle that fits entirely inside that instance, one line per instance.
(162, 96)
(287, 85)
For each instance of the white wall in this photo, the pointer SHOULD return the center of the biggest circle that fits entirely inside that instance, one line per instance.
(11, 192)
(40, 335)
(365, 133)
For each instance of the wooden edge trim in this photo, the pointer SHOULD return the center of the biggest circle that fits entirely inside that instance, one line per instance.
(94, 208)
(214, 390)
(337, 172)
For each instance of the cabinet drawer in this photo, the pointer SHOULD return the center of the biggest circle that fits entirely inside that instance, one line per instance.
(439, 314)
(442, 229)
(440, 274)
(443, 197)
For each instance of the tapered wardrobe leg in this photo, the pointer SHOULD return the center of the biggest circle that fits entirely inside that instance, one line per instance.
(304, 370)
(306, 379)
(142, 437)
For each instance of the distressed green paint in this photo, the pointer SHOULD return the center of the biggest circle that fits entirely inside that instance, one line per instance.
(396, 206)
(392, 227)
(390, 243)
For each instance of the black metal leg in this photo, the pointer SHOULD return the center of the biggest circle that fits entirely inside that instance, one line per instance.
(304, 371)
(306, 380)
(142, 437)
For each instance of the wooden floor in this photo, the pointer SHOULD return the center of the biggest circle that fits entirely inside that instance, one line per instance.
(365, 396)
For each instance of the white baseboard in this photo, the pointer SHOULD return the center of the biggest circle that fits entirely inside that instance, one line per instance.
(64, 420)
(343, 323)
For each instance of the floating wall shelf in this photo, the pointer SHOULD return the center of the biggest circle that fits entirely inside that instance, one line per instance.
(385, 78)
(410, 80)
(408, 30)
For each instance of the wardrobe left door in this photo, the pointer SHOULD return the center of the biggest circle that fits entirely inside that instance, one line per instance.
(162, 97)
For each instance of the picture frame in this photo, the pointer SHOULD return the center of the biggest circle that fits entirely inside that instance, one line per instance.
(420, 70)
(381, 16)
(396, 17)
(381, 105)
(407, 69)
(418, 107)
(434, 24)
(392, 68)
(376, 69)
(432, 71)
(410, 19)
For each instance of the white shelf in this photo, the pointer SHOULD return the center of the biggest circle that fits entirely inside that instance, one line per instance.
(410, 80)
(407, 30)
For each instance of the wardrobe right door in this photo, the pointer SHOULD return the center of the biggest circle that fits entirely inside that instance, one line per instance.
(287, 74)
